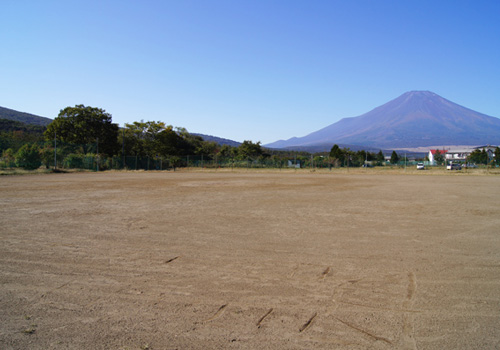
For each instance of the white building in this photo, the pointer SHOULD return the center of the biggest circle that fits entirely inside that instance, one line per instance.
(459, 155)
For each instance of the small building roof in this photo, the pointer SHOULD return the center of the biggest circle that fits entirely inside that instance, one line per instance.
(441, 151)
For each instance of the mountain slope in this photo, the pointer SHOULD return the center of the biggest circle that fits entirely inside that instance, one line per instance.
(415, 119)
(219, 140)
(6, 113)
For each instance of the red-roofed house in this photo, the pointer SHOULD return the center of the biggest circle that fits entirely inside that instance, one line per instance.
(459, 155)
(432, 152)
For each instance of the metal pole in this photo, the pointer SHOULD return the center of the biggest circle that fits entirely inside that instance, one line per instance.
(55, 150)
(97, 154)
(123, 147)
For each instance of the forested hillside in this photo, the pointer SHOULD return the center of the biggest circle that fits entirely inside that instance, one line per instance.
(6, 113)
(14, 134)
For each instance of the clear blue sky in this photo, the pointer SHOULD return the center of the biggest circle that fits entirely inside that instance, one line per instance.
(246, 69)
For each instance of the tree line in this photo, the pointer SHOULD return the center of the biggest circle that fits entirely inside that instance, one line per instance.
(347, 157)
(82, 131)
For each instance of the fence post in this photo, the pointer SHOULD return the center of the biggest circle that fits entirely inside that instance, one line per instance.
(97, 154)
(123, 146)
(55, 150)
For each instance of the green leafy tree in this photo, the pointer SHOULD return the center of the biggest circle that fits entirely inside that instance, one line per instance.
(208, 148)
(155, 139)
(28, 157)
(142, 138)
(484, 157)
(47, 156)
(190, 144)
(439, 157)
(227, 151)
(86, 126)
(478, 157)
(9, 157)
(175, 143)
(249, 149)
(394, 157)
(361, 156)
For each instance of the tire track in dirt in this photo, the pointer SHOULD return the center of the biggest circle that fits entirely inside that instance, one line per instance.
(259, 322)
(308, 323)
(325, 273)
(172, 259)
(218, 314)
(371, 335)
(409, 341)
(337, 295)
(293, 272)
(378, 307)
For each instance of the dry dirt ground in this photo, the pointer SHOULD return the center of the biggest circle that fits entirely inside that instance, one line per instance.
(248, 260)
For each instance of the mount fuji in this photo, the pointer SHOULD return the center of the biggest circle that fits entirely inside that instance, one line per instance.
(414, 119)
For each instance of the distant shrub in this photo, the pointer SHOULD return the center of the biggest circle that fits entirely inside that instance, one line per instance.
(82, 161)
(74, 161)
(47, 154)
(28, 157)
(8, 158)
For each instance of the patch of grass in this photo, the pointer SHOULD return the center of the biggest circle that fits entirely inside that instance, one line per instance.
(30, 330)
(20, 171)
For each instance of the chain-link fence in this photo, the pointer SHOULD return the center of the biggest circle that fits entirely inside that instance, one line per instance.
(60, 155)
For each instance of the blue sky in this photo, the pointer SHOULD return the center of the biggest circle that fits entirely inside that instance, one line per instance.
(246, 69)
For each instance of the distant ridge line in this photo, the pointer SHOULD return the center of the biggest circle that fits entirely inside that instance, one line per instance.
(27, 118)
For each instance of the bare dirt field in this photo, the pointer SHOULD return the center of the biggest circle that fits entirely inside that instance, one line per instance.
(249, 260)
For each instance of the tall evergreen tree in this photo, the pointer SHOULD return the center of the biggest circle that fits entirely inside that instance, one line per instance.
(380, 157)
(394, 157)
